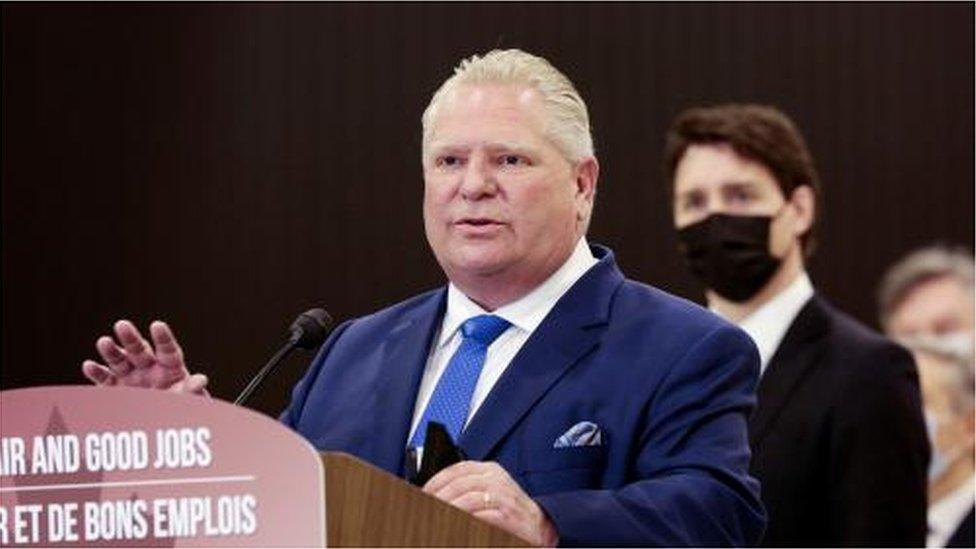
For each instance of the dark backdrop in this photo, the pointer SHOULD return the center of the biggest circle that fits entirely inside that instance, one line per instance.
(224, 167)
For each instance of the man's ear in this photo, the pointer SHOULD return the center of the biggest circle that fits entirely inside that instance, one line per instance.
(587, 174)
(804, 205)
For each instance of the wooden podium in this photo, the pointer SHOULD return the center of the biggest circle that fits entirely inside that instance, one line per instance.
(366, 506)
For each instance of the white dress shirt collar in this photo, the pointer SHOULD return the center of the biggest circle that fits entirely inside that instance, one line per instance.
(947, 514)
(527, 312)
(768, 324)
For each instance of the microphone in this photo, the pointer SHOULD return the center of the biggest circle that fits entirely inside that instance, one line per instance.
(310, 329)
(307, 332)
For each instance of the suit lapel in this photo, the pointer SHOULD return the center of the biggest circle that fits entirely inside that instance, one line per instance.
(793, 360)
(571, 330)
(403, 358)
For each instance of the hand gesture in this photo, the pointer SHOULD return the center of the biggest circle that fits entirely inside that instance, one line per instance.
(136, 363)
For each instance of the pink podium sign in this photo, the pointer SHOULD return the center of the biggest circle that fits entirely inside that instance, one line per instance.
(90, 466)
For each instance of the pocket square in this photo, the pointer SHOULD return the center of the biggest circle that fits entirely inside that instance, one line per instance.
(584, 433)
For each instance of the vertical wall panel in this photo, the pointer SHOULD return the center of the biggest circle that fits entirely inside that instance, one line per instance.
(227, 166)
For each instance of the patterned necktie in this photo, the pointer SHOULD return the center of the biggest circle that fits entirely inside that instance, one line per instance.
(452, 396)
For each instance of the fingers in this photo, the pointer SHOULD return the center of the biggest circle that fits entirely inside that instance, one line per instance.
(471, 483)
(473, 501)
(486, 490)
(471, 486)
(113, 356)
(494, 516)
(168, 351)
(137, 364)
(468, 476)
(505, 521)
(98, 374)
(485, 499)
(450, 474)
(196, 384)
(137, 350)
(501, 508)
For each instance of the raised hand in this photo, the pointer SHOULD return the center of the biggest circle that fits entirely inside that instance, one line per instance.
(136, 363)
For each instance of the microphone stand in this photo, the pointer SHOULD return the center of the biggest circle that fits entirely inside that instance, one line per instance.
(266, 370)
(307, 332)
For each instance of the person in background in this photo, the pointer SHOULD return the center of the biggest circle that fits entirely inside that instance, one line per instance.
(926, 303)
(838, 436)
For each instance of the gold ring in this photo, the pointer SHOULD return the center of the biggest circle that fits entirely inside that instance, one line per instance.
(486, 499)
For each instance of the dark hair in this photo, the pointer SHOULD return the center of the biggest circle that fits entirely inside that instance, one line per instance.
(757, 132)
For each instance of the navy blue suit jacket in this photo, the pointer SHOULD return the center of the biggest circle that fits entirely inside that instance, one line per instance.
(670, 385)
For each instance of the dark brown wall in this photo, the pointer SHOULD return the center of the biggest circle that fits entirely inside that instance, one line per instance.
(224, 167)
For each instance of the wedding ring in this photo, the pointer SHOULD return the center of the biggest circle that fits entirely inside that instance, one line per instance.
(486, 500)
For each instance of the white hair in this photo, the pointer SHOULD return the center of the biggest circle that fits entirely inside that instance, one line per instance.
(568, 122)
(922, 266)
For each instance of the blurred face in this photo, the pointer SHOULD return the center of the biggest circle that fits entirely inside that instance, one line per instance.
(935, 379)
(936, 307)
(940, 308)
(500, 201)
(953, 430)
(714, 179)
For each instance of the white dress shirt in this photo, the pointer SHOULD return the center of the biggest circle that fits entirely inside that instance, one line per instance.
(525, 315)
(947, 514)
(769, 323)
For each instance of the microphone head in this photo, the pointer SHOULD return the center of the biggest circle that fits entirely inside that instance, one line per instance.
(310, 329)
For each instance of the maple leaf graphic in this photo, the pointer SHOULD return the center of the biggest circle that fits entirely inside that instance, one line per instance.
(91, 493)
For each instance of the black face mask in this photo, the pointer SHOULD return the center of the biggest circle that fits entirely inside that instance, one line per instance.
(730, 254)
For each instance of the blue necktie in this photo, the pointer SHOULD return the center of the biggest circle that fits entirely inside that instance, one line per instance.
(452, 396)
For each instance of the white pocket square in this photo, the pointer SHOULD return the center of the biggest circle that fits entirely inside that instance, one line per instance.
(584, 433)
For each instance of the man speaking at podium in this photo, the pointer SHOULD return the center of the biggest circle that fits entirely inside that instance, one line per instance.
(592, 410)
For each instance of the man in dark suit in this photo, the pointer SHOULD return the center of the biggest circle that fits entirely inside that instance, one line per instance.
(838, 440)
(593, 410)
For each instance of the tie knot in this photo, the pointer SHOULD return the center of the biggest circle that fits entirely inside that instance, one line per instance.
(484, 328)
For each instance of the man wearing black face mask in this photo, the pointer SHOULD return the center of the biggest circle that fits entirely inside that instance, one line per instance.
(838, 437)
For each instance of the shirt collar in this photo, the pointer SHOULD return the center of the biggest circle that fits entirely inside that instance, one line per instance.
(768, 324)
(527, 312)
(946, 514)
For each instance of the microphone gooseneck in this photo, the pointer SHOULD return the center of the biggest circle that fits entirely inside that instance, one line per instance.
(308, 331)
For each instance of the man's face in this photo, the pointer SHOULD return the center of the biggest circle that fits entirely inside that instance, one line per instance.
(500, 201)
(714, 179)
(935, 307)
